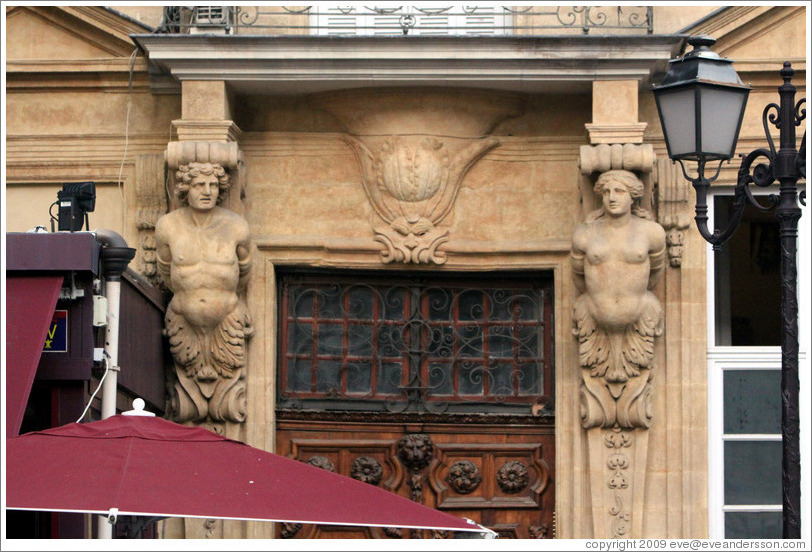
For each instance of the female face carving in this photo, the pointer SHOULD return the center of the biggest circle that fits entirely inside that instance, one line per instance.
(617, 200)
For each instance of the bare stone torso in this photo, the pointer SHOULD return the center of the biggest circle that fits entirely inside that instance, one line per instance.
(616, 272)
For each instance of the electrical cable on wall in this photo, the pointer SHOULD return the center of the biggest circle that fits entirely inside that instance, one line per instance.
(127, 127)
(101, 381)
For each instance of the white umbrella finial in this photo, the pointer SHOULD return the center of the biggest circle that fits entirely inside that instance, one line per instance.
(138, 409)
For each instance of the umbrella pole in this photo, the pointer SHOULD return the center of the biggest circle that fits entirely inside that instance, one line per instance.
(110, 384)
(104, 528)
(115, 256)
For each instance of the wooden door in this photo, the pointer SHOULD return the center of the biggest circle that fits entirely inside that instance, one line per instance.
(438, 389)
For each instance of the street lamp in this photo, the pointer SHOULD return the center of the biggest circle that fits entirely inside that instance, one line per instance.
(701, 104)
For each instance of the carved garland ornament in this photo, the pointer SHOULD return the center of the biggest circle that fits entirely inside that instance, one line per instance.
(618, 465)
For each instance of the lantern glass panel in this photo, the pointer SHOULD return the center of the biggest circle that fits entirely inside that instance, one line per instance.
(677, 113)
(721, 111)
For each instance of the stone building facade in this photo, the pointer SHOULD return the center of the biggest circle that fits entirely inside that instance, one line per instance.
(384, 177)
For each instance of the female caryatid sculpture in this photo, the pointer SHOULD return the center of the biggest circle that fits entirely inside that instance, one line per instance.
(203, 254)
(618, 255)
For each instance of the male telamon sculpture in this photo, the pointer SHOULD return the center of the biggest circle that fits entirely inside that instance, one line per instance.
(204, 257)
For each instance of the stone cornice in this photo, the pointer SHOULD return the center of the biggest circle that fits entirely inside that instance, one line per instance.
(304, 64)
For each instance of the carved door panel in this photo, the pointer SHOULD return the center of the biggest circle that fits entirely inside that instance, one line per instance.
(435, 387)
(499, 475)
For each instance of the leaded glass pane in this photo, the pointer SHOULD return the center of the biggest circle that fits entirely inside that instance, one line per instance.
(359, 377)
(390, 377)
(396, 341)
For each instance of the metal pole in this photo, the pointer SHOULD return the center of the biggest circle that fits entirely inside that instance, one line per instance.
(788, 214)
(104, 529)
(115, 258)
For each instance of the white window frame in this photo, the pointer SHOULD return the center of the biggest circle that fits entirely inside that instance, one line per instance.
(722, 358)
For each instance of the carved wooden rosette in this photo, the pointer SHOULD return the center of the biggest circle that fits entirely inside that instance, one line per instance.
(616, 368)
(208, 383)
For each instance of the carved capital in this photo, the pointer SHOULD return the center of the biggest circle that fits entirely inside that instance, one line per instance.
(226, 154)
(606, 157)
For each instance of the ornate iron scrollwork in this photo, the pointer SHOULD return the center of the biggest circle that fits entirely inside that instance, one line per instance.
(413, 348)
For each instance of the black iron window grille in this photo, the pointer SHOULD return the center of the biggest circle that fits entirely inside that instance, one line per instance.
(414, 345)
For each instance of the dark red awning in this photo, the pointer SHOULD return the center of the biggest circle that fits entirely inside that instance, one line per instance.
(148, 466)
(30, 303)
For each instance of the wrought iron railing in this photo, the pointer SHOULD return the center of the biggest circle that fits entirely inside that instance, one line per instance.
(425, 20)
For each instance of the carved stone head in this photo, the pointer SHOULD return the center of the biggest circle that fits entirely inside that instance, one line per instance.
(187, 173)
(630, 182)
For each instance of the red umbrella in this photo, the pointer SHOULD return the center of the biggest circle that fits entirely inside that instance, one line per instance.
(147, 466)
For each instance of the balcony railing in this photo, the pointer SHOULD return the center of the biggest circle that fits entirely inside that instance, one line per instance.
(426, 20)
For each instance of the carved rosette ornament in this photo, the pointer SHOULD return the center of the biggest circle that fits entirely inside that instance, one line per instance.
(464, 476)
(512, 477)
(367, 470)
(415, 451)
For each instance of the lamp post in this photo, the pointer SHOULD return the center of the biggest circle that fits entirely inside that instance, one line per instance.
(701, 105)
